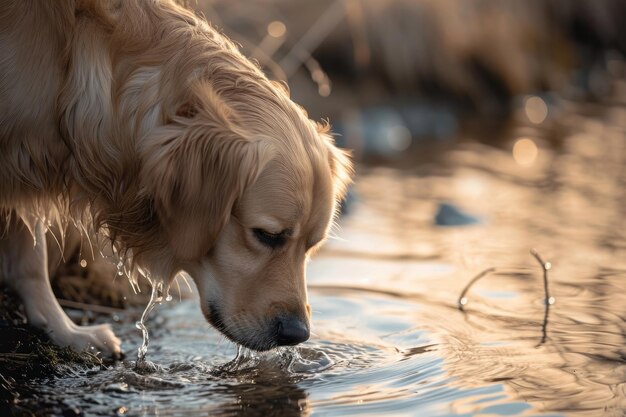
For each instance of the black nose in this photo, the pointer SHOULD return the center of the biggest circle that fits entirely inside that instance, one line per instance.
(291, 331)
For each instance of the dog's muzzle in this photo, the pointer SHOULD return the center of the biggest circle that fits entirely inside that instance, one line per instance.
(290, 330)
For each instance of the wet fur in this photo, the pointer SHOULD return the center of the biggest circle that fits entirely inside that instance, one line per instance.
(140, 123)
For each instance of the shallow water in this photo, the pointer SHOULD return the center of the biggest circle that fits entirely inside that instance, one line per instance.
(388, 335)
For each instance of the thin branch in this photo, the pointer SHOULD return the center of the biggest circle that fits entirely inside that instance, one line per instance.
(546, 266)
(462, 301)
(544, 325)
(548, 300)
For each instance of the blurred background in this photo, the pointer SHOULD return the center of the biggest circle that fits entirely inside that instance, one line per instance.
(397, 78)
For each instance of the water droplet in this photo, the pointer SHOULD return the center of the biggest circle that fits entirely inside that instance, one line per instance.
(463, 301)
(159, 292)
(547, 266)
(83, 263)
(551, 300)
(239, 359)
(121, 411)
(169, 297)
(155, 298)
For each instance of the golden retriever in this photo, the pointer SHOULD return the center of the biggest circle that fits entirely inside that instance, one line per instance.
(137, 121)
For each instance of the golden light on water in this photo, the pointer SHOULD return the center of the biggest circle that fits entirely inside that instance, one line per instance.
(525, 152)
(276, 29)
(536, 109)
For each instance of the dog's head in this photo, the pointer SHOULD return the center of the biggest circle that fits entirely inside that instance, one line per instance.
(245, 189)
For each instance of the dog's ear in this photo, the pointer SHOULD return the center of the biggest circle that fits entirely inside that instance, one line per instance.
(195, 169)
(340, 162)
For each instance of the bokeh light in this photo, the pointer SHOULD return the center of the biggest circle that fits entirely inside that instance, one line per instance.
(276, 29)
(536, 109)
(525, 152)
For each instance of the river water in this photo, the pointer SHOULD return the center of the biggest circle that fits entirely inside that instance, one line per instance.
(388, 336)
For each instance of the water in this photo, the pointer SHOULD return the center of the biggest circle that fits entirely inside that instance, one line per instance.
(156, 298)
(388, 335)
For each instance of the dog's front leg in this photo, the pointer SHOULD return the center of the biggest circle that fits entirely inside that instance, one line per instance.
(24, 267)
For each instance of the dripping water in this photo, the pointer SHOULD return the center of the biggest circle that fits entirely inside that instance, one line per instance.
(156, 298)
(120, 268)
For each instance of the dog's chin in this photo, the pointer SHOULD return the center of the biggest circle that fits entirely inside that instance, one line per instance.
(259, 344)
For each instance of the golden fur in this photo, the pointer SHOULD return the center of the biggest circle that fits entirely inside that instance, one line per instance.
(138, 122)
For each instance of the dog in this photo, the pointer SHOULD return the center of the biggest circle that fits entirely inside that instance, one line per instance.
(139, 122)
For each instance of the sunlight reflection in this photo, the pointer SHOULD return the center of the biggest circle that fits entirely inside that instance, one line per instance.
(471, 186)
(525, 152)
(536, 109)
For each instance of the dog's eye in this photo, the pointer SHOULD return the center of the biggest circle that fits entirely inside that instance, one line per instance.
(270, 239)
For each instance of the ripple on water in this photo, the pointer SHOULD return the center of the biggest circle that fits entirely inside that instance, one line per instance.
(392, 341)
(317, 374)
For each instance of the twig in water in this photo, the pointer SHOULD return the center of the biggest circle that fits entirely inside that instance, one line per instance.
(544, 325)
(462, 299)
(546, 266)
(548, 300)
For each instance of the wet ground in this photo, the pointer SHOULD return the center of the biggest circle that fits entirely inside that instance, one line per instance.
(388, 336)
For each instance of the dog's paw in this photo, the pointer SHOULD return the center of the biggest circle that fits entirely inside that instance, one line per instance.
(102, 339)
(98, 338)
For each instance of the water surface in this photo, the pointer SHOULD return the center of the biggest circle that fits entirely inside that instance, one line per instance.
(388, 337)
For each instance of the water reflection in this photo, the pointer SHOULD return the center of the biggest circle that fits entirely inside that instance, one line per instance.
(525, 151)
(566, 358)
(260, 398)
(385, 299)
